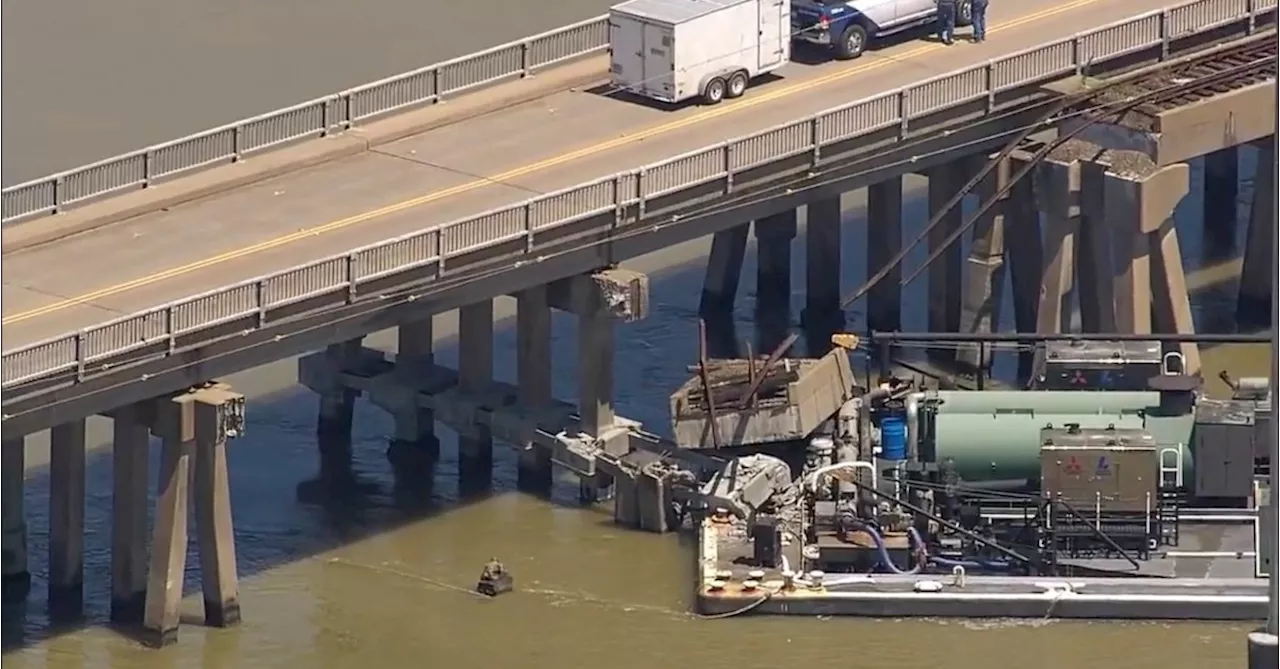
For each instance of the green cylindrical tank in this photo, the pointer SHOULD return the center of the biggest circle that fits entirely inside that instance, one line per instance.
(995, 435)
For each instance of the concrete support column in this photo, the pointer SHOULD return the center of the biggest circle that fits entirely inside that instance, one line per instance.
(337, 413)
(475, 373)
(884, 240)
(533, 369)
(822, 315)
(1170, 299)
(724, 271)
(1139, 202)
(773, 277)
(1221, 188)
(984, 273)
(1024, 254)
(17, 578)
(1094, 285)
(946, 273)
(415, 449)
(1058, 181)
(129, 457)
(1256, 273)
(595, 387)
(216, 538)
(66, 519)
(193, 425)
(176, 427)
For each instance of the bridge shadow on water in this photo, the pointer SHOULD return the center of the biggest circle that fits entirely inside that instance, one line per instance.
(274, 529)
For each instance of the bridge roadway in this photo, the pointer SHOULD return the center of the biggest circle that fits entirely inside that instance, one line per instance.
(452, 173)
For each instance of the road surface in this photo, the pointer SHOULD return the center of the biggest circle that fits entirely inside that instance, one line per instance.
(455, 172)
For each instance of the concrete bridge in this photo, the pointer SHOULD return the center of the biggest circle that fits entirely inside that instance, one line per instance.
(312, 246)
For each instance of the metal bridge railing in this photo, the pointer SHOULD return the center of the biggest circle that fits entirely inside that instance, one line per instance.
(317, 118)
(344, 279)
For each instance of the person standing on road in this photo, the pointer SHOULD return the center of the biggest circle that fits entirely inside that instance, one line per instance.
(979, 9)
(946, 20)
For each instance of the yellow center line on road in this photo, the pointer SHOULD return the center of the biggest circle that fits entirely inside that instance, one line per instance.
(621, 140)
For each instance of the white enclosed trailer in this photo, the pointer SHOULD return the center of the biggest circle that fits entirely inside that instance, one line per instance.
(673, 50)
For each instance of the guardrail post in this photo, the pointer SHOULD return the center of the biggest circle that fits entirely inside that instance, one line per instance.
(640, 179)
(1164, 35)
(526, 62)
(903, 108)
(437, 85)
(729, 151)
(80, 355)
(527, 212)
(58, 184)
(815, 138)
(171, 343)
(325, 115)
(235, 143)
(353, 261)
(260, 300)
(990, 75)
(147, 157)
(1252, 6)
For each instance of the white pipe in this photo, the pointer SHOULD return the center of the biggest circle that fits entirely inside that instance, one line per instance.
(854, 464)
(1210, 554)
(913, 426)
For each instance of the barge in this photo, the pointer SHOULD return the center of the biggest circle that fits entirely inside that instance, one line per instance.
(1101, 500)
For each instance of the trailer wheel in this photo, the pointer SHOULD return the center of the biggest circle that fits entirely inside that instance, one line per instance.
(713, 93)
(737, 85)
(852, 43)
(964, 13)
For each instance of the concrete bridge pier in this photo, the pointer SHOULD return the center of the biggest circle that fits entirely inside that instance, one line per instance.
(1253, 302)
(197, 423)
(884, 240)
(984, 272)
(1140, 199)
(945, 274)
(600, 300)
(724, 271)
(1024, 253)
(17, 577)
(533, 372)
(66, 520)
(414, 449)
(1221, 188)
(333, 428)
(129, 470)
(822, 315)
(1095, 293)
(1058, 182)
(475, 373)
(595, 390)
(774, 235)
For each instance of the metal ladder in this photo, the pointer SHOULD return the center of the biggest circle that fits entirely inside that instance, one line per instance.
(1171, 493)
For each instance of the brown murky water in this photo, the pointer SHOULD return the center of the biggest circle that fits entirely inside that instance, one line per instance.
(380, 585)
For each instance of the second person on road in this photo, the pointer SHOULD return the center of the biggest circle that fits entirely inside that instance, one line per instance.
(979, 9)
(946, 20)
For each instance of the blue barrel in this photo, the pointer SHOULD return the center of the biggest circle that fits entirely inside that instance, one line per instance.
(893, 437)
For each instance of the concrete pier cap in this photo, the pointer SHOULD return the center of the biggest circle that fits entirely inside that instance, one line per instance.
(1195, 129)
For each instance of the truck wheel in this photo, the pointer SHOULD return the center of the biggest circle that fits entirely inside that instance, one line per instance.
(964, 13)
(714, 91)
(737, 85)
(852, 43)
